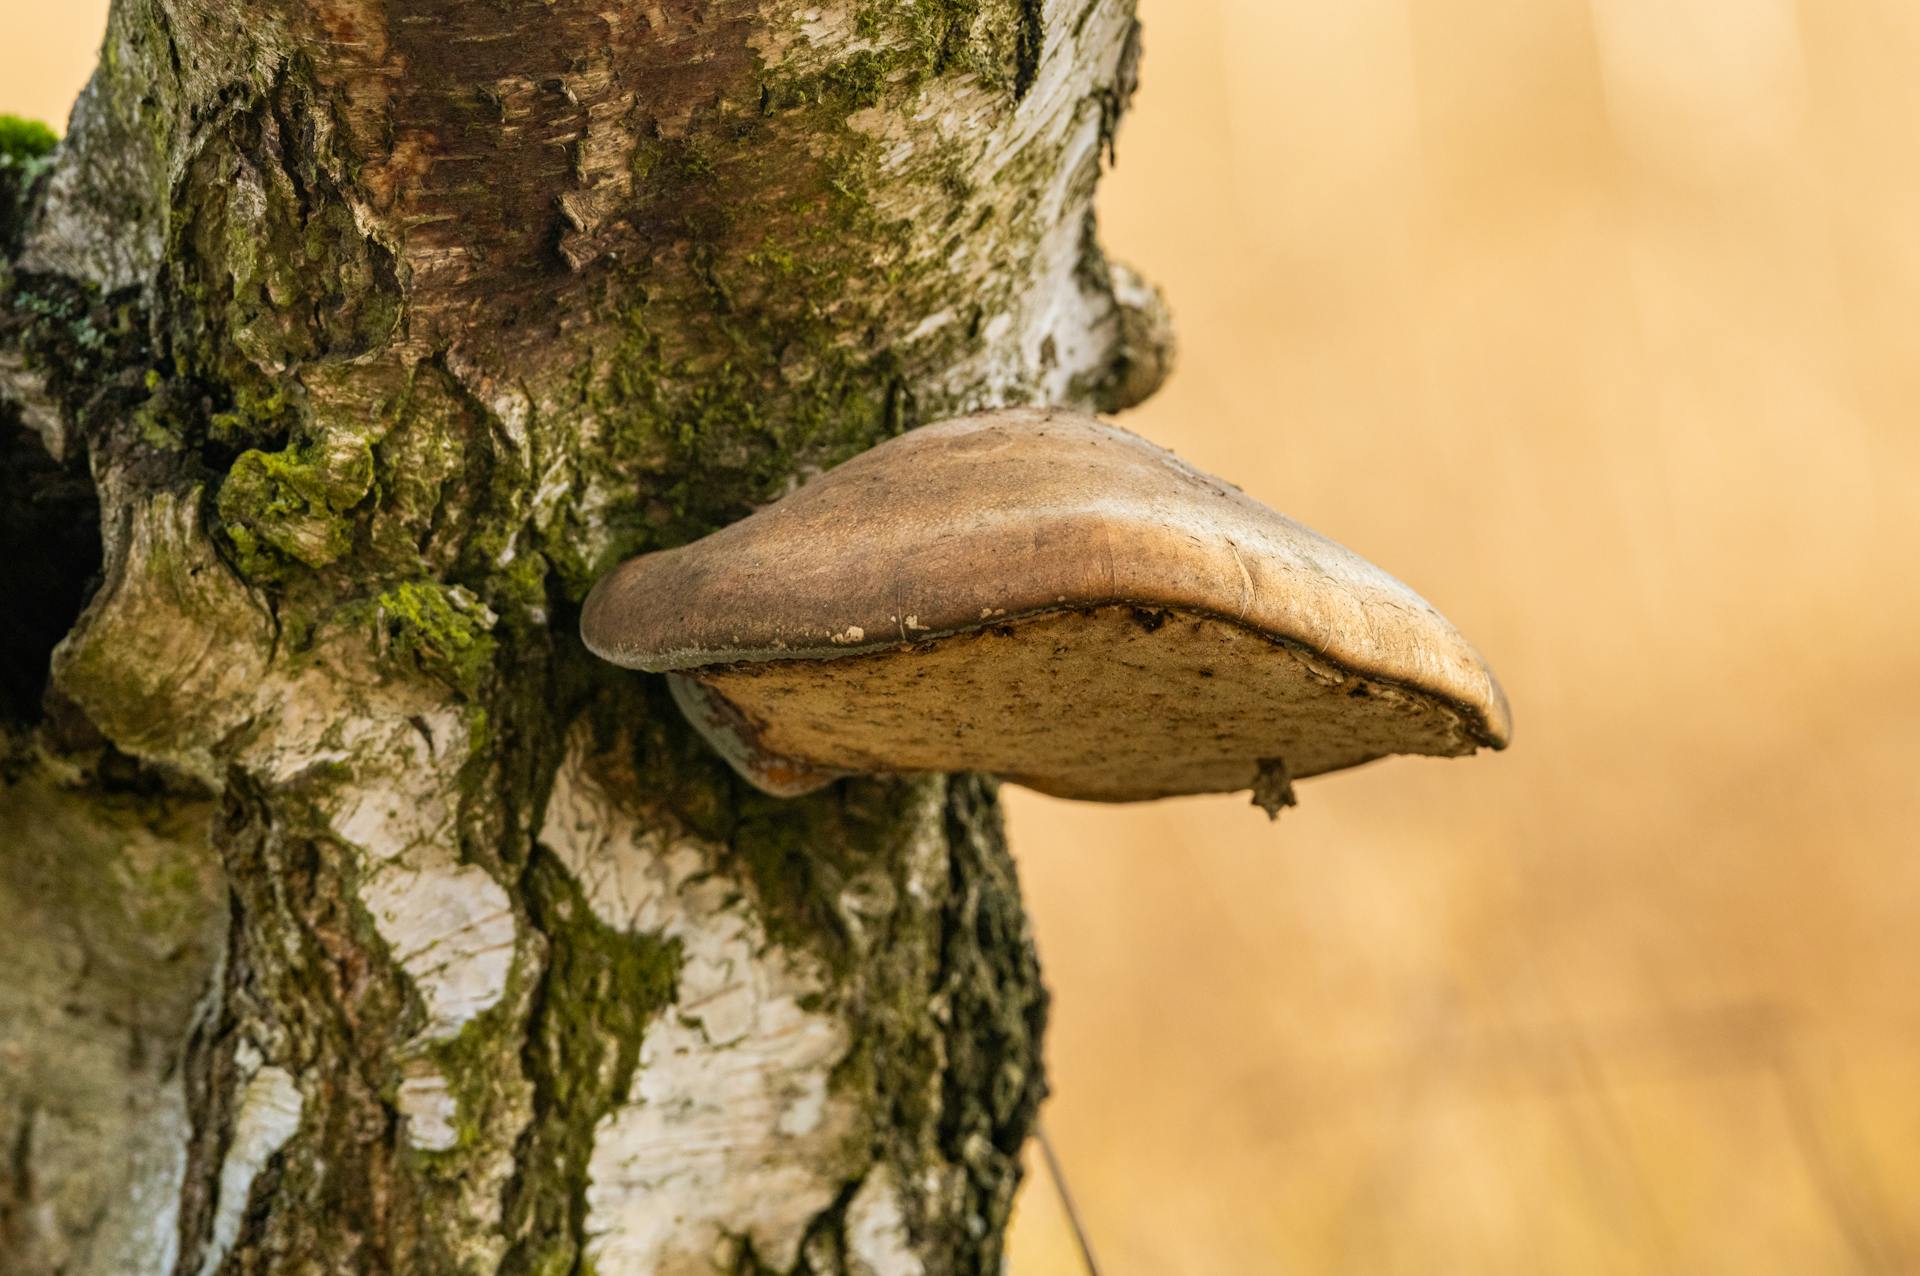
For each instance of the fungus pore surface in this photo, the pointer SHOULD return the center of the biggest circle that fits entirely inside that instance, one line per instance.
(1115, 704)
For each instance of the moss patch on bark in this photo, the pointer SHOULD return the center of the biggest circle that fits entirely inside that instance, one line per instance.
(600, 990)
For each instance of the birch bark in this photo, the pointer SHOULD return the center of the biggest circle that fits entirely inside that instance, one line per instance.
(360, 922)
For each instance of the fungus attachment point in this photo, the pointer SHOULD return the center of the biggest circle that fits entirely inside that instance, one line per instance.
(1048, 598)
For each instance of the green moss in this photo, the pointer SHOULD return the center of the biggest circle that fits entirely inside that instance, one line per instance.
(258, 410)
(798, 854)
(770, 380)
(647, 157)
(747, 356)
(858, 81)
(293, 505)
(601, 989)
(854, 83)
(995, 40)
(475, 1064)
(174, 416)
(519, 590)
(268, 264)
(22, 140)
(445, 630)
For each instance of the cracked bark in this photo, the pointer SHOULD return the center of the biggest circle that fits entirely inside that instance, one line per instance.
(365, 923)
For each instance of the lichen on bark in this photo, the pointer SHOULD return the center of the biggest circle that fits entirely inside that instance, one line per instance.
(376, 332)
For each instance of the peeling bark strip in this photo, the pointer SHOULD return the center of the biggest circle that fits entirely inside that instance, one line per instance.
(378, 329)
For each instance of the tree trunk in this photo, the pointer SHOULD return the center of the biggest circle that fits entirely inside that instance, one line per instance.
(357, 920)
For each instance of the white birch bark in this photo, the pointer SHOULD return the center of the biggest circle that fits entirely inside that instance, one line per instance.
(364, 923)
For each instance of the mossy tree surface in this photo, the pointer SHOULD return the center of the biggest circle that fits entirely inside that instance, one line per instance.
(370, 332)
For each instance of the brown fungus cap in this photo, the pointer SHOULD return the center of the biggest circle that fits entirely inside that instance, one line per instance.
(1048, 598)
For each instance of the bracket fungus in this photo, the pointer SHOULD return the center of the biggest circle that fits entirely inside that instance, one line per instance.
(1051, 599)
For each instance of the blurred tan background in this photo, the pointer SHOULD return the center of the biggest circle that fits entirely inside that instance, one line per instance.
(1594, 320)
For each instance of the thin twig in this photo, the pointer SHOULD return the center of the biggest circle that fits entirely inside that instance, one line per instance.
(1066, 1200)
